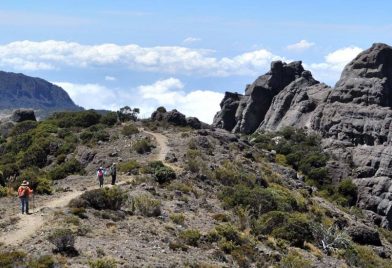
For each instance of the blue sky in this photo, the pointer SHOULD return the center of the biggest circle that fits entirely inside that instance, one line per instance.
(180, 54)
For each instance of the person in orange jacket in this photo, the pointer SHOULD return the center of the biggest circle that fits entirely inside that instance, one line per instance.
(24, 192)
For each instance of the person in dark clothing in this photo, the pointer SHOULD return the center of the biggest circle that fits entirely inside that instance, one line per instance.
(113, 172)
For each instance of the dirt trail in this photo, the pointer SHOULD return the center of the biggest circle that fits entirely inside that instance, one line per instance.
(163, 148)
(28, 225)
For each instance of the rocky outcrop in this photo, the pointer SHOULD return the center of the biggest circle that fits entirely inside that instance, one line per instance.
(251, 108)
(21, 115)
(176, 118)
(21, 91)
(354, 119)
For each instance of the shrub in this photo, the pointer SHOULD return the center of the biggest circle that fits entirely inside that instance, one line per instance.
(164, 174)
(293, 227)
(109, 119)
(126, 113)
(349, 190)
(259, 200)
(294, 259)
(61, 171)
(281, 159)
(145, 205)
(177, 218)
(128, 166)
(230, 174)
(106, 198)
(3, 191)
(44, 186)
(76, 119)
(80, 212)
(129, 130)
(190, 237)
(23, 127)
(142, 146)
(102, 263)
(12, 259)
(230, 233)
(45, 261)
(64, 240)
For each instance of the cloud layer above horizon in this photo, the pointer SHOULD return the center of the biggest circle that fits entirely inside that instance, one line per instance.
(175, 63)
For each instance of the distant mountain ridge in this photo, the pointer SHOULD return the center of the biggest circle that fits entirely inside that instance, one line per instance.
(21, 91)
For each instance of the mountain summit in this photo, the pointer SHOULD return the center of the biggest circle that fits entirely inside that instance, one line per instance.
(21, 91)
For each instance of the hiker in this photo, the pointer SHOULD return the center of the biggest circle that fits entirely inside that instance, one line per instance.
(100, 174)
(113, 172)
(24, 192)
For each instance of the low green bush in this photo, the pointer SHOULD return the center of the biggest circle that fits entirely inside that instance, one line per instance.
(45, 261)
(190, 237)
(142, 146)
(64, 240)
(293, 227)
(76, 119)
(102, 263)
(177, 218)
(23, 127)
(293, 259)
(349, 191)
(105, 198)
(260, 200)
(231, 174)
(145, 205)
(128, 166)
(44, 186)
(12, 259)
(69, 167)
(129, 130)
(109, 119)
(164, 174)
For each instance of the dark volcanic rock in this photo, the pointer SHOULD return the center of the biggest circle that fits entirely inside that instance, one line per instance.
(176, 118)
(21, 115)
(249, 110)
(354, 119)
(226, 118)
(364, 235)
(21, 91)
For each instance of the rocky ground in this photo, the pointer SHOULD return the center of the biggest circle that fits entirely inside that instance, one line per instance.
(190, 202)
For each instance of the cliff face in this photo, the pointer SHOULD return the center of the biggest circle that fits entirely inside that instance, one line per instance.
(354, 119)
(21, 91)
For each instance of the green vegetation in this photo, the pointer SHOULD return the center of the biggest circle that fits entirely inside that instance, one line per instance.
(129, 166)
(294, 147)
(129, 130)
(64, 241)
(109, 119)
(107, 198)
(61, 171)
(11, 259)
(102, 263)
(145, 205)
(190, 237)
(161, 172)
(177, 218)
(143, 146)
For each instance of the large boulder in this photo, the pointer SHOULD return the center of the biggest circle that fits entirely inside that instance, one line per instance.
(176, 118)
(21, 115)
(226, 117)
(364, 235)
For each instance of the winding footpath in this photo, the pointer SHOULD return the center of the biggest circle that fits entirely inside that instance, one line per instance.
(28, 225)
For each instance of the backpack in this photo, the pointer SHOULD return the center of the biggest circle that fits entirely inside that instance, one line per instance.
(100, 173)
(22, 192)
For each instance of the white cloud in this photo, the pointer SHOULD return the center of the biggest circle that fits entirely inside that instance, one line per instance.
(191, 40)
(202, 104)
(22, 55)
(300, 46)
(110, 78)
(170, 93)
(329, 71)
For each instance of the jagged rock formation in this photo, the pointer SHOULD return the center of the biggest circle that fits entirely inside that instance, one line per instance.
(176, 118)
(21, 91)
(244, 113)
(354, 118)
